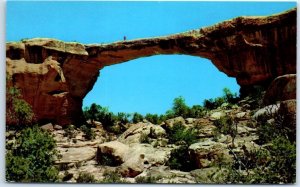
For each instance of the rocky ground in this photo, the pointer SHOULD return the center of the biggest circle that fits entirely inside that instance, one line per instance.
(141, 152)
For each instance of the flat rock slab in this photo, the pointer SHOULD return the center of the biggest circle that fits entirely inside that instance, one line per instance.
(74, 155)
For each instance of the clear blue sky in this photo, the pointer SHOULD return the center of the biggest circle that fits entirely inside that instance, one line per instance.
(145, 85)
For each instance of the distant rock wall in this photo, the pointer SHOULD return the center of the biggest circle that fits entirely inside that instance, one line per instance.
(55, 76)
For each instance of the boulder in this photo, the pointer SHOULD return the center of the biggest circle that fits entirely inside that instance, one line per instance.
(241, 115)
(152, 156)
(133, 166)
(268, 111)
(137, 132)
(206, 131)
(282, 88)
(48, 127)
(170, 122)
(163, 174)
(57, 127)
(133, 159)
(190, 121)
(288, 112)
(211, 175)
(115, 149)
(204, 154)
(288, 107)
(75, 154)
(217, 115)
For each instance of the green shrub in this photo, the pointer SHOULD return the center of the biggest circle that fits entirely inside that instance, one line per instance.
(180, 108)
(122, 117)
(283, 125)
(180, 159)
(228, 97)
(153, 118)
(196, 111)
(277, 164)
(179, 133)
(98, 113)
(283, 163)
(18, 111)
(107, 159)
(274, 165)
(209, 104)
(32, 156)
(147, 179)
(137, 117)
(70, 131)
(144, 138)
(111, 177)
(85, 178)
(89, 133)
(226, 125)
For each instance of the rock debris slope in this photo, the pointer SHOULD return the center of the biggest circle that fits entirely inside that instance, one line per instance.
(55, 76)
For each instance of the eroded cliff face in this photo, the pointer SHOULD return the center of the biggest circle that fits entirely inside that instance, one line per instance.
(55, 76)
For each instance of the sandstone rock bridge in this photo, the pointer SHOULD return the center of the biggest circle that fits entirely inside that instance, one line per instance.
(55, 76)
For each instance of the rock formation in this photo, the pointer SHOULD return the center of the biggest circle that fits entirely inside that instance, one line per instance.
(55, 76)
(282, 88)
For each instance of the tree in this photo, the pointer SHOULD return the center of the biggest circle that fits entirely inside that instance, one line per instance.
(137, 117)
(122, 117)
(153, 118)
(179, 107)
(18, 111)
(196, 111)
(31, 158)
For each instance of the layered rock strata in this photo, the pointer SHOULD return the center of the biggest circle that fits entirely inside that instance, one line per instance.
(55, 76)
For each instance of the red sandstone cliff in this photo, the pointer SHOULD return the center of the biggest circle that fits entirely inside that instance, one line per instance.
(55, 76)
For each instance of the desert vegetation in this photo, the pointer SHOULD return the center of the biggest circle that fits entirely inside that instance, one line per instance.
(241, 149)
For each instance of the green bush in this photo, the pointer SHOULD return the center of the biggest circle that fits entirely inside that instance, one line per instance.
(228, 97)
(70, 131)
(283, 125)
(111, 177)
(122, 117)
(274, 165)
(179, 133)
(107, 159)
(180, 108)
(18, 111)
(144, 138)
(137, 117)
(147, 179)
(196, 111)
(97, 113)
(283, 163)
(153, 118)
(180, 159)
(226, 125)
(85, 178)
(277, 164)
(32, 156)
(89, 133)
(209, 104)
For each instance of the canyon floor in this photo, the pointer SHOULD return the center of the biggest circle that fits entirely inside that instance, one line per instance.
(141, 154)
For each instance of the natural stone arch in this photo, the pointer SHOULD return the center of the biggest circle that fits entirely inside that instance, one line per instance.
(55, 76)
